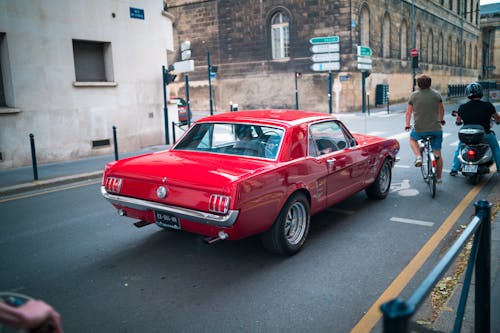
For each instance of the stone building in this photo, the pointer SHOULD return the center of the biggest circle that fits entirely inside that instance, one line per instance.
(71, 70)
(490, 32)
(258, 46)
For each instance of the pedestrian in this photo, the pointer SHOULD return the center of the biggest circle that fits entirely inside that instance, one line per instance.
(30, 316)
(477, 112)
(426, 107)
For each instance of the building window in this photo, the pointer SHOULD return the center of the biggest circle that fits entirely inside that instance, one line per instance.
(364, 26)
(386, 37)
(430, 48)
(93, 61)
(404, 41)
(280, 36)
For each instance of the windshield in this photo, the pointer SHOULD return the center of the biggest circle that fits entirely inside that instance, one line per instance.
(234, 139)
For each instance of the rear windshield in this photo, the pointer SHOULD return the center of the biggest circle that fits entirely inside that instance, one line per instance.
(233, 139)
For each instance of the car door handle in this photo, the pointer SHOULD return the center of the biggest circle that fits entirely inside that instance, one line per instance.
(330, 161)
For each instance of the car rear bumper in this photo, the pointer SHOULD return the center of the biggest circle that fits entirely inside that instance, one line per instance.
(182, 213)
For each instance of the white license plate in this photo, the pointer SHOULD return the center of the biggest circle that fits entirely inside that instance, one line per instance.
(167, 220)
(469, 168)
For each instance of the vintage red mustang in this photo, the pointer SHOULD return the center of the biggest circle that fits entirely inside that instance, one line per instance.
(239, 174)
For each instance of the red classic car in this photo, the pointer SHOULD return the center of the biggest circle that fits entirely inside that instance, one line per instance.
(238, 174)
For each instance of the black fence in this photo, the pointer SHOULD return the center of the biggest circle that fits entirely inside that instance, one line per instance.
(397, 312)
(458, 90)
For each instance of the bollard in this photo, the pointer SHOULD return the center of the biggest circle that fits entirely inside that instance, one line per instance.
(173, 132)
(115, 142)
(482, 304)
(33, 156)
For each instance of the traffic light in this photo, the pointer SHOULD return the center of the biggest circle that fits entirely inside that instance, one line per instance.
(168, 77)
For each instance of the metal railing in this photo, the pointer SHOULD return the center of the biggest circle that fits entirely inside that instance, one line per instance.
(397, 312)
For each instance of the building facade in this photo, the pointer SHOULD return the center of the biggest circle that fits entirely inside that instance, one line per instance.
(71, 70)
(490, 32)
(258, 46)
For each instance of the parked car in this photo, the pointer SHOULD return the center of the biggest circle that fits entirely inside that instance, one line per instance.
(182, 109)
(295, 164)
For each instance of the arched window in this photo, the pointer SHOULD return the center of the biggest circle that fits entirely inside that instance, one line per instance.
(364, 27)
(440, 49)
(430, 47)
(457, 53)
(386, 37)
(449, 56)
(280, 35)
(404, 41)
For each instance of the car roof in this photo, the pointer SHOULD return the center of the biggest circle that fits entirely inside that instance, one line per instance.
(283, 117)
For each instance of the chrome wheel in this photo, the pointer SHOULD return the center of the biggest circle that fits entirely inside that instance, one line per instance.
(296, 223)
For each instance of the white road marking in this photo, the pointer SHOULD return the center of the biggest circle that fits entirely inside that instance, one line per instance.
(411, 221)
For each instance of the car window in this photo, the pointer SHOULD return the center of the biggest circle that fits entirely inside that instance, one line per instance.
(235, 139)
(326, 137)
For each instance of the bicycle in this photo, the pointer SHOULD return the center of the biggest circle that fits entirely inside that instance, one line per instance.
(429, 164)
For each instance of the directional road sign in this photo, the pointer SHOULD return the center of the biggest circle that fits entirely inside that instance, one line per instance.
(325, 66)
(184, 66)
(324, 57)
(365, 60)
(324, 40)
(367, 67)
(325, 48)
(364, 51)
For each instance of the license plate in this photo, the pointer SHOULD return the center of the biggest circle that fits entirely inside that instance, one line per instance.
(469, 168)
(167, 220)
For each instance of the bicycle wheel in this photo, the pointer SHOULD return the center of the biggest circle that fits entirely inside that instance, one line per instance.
(431, 178)
(424, 168)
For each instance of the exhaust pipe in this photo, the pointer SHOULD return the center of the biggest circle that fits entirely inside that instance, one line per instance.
(221, 236)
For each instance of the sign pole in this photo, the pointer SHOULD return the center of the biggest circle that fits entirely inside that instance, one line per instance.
(165, 106)
(363, 90)
(330, 92)
(210, 82)
(188, 102)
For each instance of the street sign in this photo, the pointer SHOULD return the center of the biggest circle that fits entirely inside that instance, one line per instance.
(324, 40)
(325, 66)
(186, 45)
(364, 51)
(184, 66)
(414, 53)
(367, 67)
(365, 60)
(325, 48)
(186, 55)
(324, 57)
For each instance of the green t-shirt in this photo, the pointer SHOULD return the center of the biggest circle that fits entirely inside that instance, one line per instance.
(425, 104)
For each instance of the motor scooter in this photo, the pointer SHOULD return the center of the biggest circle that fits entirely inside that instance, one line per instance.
(475, 154)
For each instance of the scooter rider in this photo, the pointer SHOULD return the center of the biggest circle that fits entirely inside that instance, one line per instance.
(477, 112)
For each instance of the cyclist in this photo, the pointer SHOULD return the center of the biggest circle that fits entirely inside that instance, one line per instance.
(426, 106)
(477, 112)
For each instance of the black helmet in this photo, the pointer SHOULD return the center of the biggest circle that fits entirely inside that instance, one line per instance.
(474, 90)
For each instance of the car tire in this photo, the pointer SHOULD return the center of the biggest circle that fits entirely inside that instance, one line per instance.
(382, 184)
(289, 231)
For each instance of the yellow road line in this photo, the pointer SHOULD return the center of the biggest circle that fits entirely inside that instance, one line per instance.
(370, 319)
(50, 191)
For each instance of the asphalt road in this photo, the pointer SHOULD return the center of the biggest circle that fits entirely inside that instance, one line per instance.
(69, 247)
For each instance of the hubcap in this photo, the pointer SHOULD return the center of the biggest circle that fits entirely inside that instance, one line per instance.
(296, 223)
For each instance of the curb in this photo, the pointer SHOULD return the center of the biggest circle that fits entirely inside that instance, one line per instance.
(37, 184)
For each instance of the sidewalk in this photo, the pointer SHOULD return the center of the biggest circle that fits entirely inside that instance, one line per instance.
(13, 181)
(19, 180)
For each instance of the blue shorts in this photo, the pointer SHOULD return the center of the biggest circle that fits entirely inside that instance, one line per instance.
(436, 142)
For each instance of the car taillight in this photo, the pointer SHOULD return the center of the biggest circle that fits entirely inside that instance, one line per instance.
(113, 184)
(219, 203)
